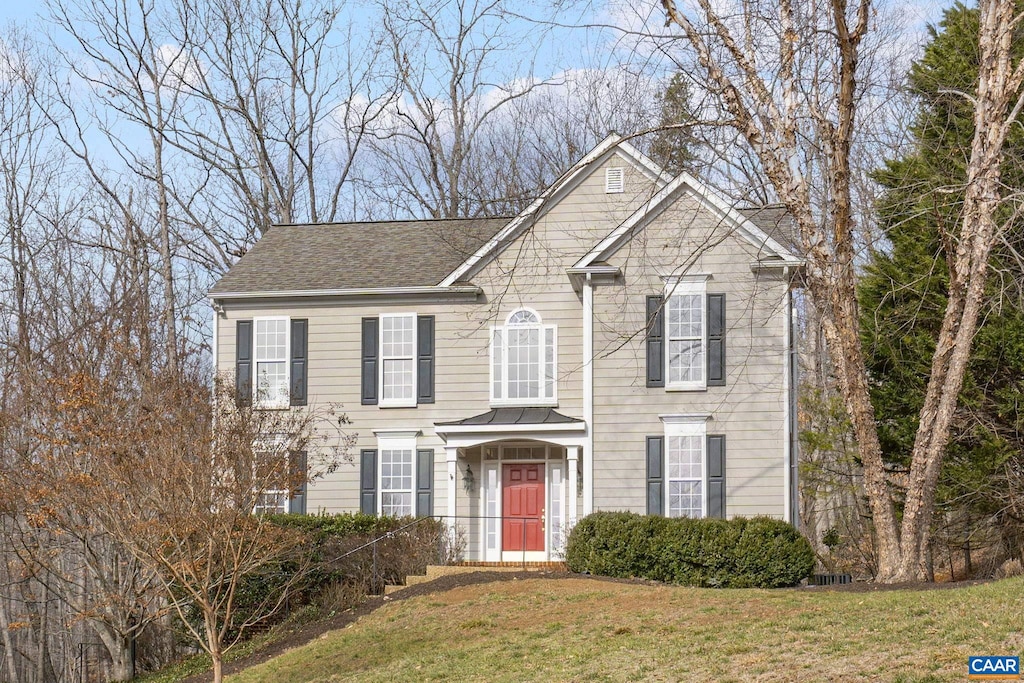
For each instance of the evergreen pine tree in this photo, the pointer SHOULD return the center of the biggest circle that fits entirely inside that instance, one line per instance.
(674, 142)
(903, 294)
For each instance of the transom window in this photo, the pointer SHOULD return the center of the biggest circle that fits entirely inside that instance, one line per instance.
(398, 359)
(397, 458)
(523, 357)
(271, 359)
(685, 468)
(687, 334)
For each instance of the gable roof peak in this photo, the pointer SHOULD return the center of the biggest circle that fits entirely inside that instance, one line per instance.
(611, 144)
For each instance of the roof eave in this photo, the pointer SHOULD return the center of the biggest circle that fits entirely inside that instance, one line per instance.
(499, 429)
(470, 291)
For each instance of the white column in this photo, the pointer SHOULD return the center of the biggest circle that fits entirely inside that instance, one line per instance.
(573, 453)
(451, 453)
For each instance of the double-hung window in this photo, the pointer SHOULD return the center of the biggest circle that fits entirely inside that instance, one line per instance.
(685, 443)
(686, 336)
(686, 469)
(270, 352)
(396, 478)
(523, 361)
(398, 360)
(271, 364)
(397, 455)
(278, 479)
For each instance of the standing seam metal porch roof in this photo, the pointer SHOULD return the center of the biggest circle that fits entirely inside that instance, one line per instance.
(514, 416)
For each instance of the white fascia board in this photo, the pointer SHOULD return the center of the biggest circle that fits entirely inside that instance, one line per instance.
(517, 429)
(610, 243)
(772, 264)
(558, 189)
(753, 234)
(462, 290)
(594, 270)
(758, 237)
(645, 164)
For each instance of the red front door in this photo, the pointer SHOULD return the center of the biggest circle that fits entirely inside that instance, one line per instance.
(523, 507)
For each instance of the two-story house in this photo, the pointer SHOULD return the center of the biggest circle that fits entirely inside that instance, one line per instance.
(625, 343)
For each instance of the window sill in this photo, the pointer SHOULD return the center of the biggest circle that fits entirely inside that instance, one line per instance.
(687, 387)
(395, 405)
(270, 406)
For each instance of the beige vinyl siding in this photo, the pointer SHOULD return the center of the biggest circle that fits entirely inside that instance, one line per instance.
(334, 377)
(749, 410)
(530, 272)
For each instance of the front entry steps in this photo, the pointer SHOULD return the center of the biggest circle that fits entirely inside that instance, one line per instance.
(437, 571)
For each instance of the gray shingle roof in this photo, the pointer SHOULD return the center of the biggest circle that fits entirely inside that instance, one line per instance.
(371, 255)
(776, 221)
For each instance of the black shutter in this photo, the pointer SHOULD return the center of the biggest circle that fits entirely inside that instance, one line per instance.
(243, 362)
(716, 340)
(371, 327)
(716, 475)
(297, 378)
(655, 341)
(368, 481)
(425, 359)
(425, 482)
(655, 475)
(298, 475)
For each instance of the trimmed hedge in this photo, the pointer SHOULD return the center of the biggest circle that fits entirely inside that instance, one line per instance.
(759, 552)
(332, 537)
(344, 524)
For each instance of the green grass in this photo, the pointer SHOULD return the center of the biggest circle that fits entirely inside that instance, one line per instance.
(201, 663)
(581, 630)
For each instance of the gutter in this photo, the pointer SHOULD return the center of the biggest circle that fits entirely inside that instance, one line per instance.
(471, 291)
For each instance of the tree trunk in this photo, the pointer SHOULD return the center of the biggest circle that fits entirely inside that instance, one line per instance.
(118, 646)
(5, 634)
(998, 84)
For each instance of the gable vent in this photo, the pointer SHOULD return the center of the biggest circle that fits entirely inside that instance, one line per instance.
(614, 180)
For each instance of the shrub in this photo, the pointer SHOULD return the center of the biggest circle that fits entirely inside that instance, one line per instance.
(738, 553)
(1009, 569)
(338, 556)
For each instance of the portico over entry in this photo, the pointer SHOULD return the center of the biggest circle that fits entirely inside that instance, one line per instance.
(514, 482)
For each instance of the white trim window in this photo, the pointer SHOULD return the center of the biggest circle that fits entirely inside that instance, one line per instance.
(685, 444)
(398, 360)
(523, 361)
(686, 333)
(397, 475)
(270, 358)
(272, 503)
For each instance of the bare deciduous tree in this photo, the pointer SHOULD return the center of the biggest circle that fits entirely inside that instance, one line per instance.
(787, 75)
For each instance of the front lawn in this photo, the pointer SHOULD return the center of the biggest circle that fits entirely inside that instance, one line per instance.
(579, 629)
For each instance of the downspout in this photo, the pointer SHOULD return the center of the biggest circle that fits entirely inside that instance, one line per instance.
(213, 344)
(787, 329)
(588, 394)
(794, 423)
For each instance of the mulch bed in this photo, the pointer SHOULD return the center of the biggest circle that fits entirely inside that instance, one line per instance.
(301, 635)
